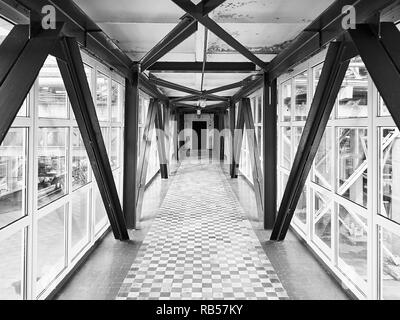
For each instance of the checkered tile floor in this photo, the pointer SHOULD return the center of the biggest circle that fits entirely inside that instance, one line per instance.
(201, 246)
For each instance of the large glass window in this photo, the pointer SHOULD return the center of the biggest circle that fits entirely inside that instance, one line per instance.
(52, 164)
(301, 210)
(51, 247)
(99, 210)
(389, 174)
(115, 147)
(353, 96)
(286, 160)
(353, 244)
(115, 102)
(79, 221)
(12, 267)
(52, 93)
(389, 265)
(322, 219)
(286, 101)
(102, 97)
(80, 161)
(322, 173)
(301, 93)
(353, 164)
(13, 182)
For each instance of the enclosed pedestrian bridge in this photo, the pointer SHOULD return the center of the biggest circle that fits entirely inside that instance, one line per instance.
(215, 149)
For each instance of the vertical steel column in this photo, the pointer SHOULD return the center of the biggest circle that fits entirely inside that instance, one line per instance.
(254, 157)
(76, 84)
(238, 139)
(222, 137)
(332, 76)
(160, 137)
(270, 138)
(131, 146)
(232, 126)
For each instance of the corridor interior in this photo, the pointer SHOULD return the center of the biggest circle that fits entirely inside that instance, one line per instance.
(199, 240)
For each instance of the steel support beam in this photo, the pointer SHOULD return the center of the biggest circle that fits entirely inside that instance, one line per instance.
(258, 181)
(248, 89)
(270, 138)
(131, 132)
(211, 25)
(326, 28)
(173, 86)
(333, 73)
(232, 125)
(381, 55)
(161, 139)
(148, 87)
(21, 61)
(238, 140)
(196, 67)
(78, 89)
(225, 88)
(183, 30)
(145, 146)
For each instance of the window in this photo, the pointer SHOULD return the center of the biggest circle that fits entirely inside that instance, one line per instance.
(51, 257)
(353, 242)
(102, 97)
(286, 147)
(286, 101)
(322, 220)
(353, 96)
(80, 161)
(322, 173)
(301, 93)
(115, 147)
(79, 221)
(12, 267)
(115, 102)
(52, 164)
(353, 165)
(389, 265)
(389, 176)
(52, 93)
(99, 210)
(13, 182)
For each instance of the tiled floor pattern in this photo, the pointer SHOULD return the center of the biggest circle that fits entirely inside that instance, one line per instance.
(201, 246)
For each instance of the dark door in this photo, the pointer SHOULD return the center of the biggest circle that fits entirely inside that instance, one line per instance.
(198, 127)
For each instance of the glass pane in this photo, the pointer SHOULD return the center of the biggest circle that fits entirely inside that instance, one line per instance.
(102, 97)
(297, 133)
(353, 96)
(80, 161)
(105, 131)
(52, 164)
(301, 89)
(286, 101)
(383, 110)
(284, 181)
(353, 245)
(389, 176)
(301, 210)
(353, 165)
(286, 159)
(51, 248)
(79, 224)
(322, 173)
(259, 138)
(23, 112)
(52, 94)
(89, 71)
(259, 109)
(115, 102)
(13, 182)
(12, 267)
(322, 218)
(390, 265)
(99, 210)
(115, 147)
